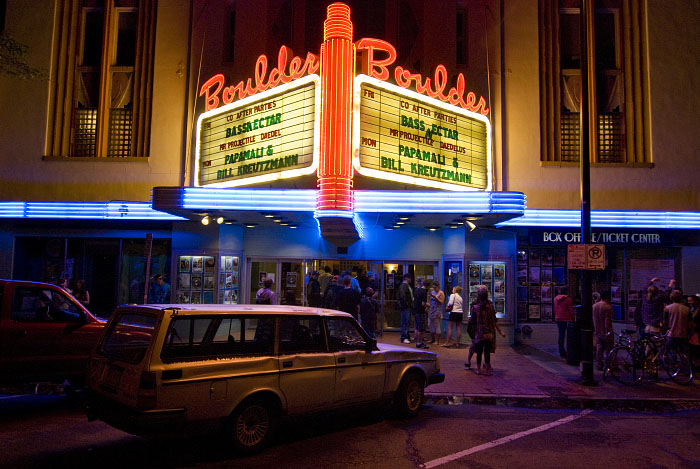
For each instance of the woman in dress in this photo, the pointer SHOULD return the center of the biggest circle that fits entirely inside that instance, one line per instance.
(483, 318)
(456, 310)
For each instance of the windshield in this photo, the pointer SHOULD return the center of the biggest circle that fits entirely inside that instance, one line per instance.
(128, 337)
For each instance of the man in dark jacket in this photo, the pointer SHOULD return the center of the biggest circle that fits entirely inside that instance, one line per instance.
(405, 299)
(349, 298)
(420, 299)
(313, 290)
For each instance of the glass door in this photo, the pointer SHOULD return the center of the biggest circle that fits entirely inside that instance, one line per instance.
(392, 277)
(292, 283)
(259, 271)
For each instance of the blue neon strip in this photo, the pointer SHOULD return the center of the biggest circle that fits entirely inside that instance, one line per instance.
(84, 211)
(439, 202)
(607, 219)
(201, 198)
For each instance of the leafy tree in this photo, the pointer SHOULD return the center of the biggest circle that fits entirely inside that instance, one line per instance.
(11, 63)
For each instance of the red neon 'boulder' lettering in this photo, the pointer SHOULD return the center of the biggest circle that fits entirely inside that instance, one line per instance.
(213, 86)
(376, 68)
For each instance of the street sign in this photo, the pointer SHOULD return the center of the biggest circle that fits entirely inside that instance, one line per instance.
(595, 256)
(576, 256)
(586, 256)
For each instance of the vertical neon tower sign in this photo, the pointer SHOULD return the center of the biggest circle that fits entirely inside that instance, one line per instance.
(335, 170)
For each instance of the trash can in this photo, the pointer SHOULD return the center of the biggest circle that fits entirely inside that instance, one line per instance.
(573, 341)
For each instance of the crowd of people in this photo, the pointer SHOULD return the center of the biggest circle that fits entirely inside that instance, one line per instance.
(666, 311)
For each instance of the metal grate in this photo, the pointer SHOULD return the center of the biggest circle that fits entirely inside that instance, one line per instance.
(610, 147)
(119, 132)
(85, 132)
(610, 137)
(570, 126)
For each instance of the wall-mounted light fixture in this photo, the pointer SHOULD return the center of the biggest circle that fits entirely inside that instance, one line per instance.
(205, 220)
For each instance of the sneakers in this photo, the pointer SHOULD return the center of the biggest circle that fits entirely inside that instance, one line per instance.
(405, 341)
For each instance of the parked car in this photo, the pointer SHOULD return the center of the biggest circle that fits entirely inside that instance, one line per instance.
(238, 368)
(45, 333)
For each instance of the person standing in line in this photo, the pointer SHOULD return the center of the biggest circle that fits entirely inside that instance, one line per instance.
(313, 290)
(694, 305)
(602, 329)
(324, 279)
(563, 315)
(265, 296)
(348, 298)
(456, 310)
(63, 283)
(81, 293)
(420, 301)
(372, 282)
(678, 322)
(368, 312)
(331, 294)
(485, 324)
(437, 298)
(405, 299)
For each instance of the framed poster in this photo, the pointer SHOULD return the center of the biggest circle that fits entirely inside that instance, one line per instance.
(534, 275)
(533, 312)
(546, 257)
(522, 311)
(209, 265)
(546, 313)
(546, 275)
(534, 257)
(197, 264)
(291, 279)
(185, 263)
(522, 257)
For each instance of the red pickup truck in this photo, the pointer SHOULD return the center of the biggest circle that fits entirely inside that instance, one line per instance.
(45, 333)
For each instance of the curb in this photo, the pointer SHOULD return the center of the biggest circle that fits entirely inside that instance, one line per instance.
(654, 405)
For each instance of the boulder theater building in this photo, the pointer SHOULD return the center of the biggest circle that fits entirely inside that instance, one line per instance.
(241, 140)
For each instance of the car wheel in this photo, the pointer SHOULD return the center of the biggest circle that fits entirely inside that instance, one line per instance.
(409, 396)
(252, 425)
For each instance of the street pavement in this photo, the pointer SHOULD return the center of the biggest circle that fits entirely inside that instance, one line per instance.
(528, 375)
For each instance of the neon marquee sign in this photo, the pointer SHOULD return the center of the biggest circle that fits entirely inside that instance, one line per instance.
(459, 126)
(215, 92)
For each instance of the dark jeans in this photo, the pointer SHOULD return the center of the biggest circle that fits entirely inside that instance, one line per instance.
(483, 347)
(405, 322)
(562, 335)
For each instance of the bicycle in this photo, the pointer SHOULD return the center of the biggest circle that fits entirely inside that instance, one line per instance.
(623, 362)
(630, 361)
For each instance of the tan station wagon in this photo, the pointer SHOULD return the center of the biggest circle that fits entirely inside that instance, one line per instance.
(159, 369)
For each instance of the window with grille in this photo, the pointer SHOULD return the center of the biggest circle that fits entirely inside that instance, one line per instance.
(104, 68)
(621, 113)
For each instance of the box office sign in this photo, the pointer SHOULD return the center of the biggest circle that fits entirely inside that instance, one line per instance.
(622, 238)
(271, 135)
(403, 136)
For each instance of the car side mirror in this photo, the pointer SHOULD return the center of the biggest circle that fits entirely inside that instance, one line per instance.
(370, 345)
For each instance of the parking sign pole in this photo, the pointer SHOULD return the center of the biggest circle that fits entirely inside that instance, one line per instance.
(588, 146)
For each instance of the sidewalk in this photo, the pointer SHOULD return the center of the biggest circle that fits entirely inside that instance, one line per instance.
(526, 375)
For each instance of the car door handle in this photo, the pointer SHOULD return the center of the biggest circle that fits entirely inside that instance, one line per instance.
(341, 360)
(22, 333)
(288, 364)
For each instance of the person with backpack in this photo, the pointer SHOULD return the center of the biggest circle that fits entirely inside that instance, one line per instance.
(265, 296)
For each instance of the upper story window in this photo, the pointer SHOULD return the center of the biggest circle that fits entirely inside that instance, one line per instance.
(619, 90)
(462, 53)
(104, 69)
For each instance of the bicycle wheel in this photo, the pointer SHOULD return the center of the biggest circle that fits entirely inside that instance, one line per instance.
(622, 366)
(677, 365)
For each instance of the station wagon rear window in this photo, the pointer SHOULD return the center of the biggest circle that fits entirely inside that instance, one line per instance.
(210, 337)
(128, 338)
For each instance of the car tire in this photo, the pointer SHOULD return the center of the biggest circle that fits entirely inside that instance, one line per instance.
(408, 398)
(252, 425)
